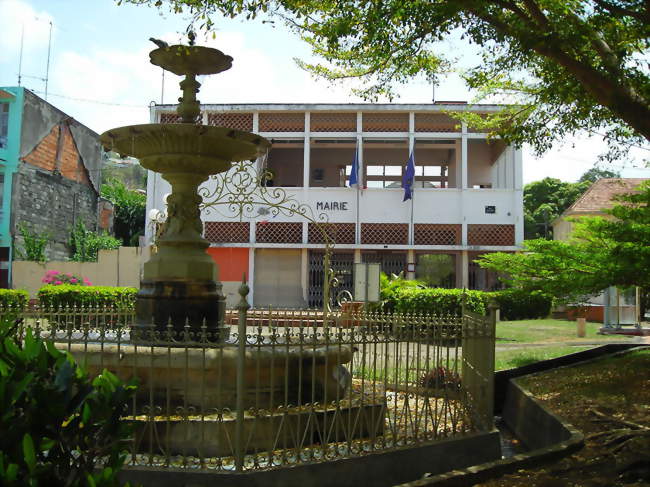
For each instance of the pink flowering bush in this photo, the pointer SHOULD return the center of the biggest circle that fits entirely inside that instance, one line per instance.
(57, 278)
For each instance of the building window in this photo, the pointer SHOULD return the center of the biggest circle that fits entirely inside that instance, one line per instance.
(4, 125)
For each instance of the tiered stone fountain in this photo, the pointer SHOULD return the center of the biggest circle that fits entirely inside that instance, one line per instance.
(180, 281)
(180, 286)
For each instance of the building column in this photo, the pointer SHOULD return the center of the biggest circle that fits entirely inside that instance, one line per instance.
(518, 195)
(410, 259)
(463, 158)
(251, 276)
(465, 269)
(306, 152)
(304, 274)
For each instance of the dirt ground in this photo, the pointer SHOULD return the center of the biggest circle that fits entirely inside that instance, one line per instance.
(609, 401)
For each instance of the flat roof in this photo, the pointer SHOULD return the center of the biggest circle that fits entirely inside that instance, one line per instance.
(352, 107)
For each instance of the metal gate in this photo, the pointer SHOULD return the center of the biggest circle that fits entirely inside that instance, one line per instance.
(391, 262)
(341, 262)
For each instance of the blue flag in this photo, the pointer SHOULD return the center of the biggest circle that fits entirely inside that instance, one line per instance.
(353, 180)
(408, 178)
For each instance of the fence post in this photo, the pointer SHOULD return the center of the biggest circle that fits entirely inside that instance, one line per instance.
(243, 308)
(488, 362)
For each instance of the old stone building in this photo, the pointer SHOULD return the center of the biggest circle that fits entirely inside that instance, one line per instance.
(51, 167)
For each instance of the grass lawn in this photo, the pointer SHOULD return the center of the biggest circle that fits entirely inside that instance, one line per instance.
(539, 331)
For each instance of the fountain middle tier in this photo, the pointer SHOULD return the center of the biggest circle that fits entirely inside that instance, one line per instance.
(183, 147)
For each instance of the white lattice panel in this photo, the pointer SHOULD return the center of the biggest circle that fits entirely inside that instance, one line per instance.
(333, 122)
(235, 120)
(385, 122)
(437, 234)
(226, 232)
(282, 122)
(170, 117)
(436, 122)
(340, 233)
(384, 233)
(278, 232)
(485, 234)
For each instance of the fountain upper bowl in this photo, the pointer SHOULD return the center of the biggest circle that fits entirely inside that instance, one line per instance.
(184, 147)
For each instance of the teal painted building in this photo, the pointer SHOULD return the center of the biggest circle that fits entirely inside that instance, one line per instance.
(11, 103)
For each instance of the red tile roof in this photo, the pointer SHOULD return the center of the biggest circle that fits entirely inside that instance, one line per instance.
(600, 195)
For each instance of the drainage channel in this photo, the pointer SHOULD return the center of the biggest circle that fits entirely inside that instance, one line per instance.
(510, 444)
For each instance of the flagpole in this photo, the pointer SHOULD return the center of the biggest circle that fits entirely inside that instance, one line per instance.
(412, 226)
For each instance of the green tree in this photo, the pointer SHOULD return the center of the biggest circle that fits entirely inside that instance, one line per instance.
(596, 173)
(544, 201)
(602, 252)
(130, 207)
(570, 64)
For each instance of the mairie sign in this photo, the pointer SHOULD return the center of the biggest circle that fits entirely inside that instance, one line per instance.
(332, 205)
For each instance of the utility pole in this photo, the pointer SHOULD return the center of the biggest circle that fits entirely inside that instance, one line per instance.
(20, 59)
(47, 68)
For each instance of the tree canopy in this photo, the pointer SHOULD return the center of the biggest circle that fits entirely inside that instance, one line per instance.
(612, 251)
(547, 199)
(130, 208)
(570, 65)
(596, 173)
(544, 201)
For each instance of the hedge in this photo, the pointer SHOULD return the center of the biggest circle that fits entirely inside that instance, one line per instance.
(437, 301)
(90, 296)
(13, 298)
(514, 304)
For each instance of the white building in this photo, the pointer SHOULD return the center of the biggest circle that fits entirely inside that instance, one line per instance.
(468, 197)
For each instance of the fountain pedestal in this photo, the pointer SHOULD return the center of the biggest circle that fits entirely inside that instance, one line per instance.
(180, 284)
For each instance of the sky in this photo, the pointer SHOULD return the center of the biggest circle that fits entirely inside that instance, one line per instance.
(99, 71)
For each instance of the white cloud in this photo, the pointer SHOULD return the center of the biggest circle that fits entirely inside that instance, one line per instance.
(578, 154)
(16, 15)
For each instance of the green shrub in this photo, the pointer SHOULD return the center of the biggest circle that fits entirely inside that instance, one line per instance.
(438, 301)
(389, 287)
(516, 304)
(58, 426)
(404, 296)
(14, 298)
(34, 245)
(90, 296)
(85, 244)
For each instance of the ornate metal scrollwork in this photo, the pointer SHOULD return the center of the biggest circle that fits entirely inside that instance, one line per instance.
(245, 193)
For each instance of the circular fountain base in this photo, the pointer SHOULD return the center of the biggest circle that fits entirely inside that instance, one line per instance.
(194, 302)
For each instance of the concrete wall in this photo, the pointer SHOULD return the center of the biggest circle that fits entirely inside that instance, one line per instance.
(114, 268)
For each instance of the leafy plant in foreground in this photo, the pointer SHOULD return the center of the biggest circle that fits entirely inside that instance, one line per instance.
(59, 427)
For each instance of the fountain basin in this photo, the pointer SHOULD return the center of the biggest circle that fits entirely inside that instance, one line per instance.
(185, 147)
(182, 60)
(204, 377)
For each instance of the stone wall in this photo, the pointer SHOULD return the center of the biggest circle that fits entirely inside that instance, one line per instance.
(48, 202)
